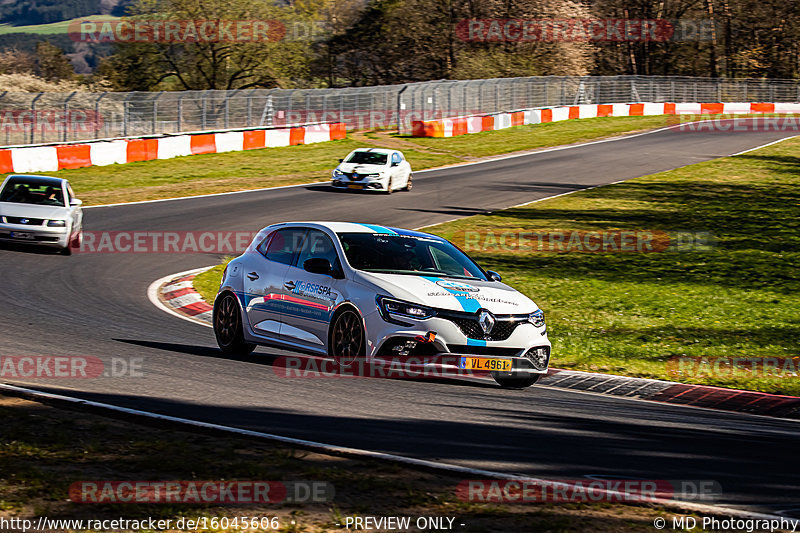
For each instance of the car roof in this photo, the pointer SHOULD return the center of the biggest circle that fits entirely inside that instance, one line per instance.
(356, 227)
(39, 180)
(375, 150)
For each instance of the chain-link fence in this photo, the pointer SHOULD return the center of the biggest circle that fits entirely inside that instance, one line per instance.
(28, 118)
(431, 100)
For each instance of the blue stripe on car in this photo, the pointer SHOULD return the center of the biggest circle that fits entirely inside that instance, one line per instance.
(379, 229)
(470, 305)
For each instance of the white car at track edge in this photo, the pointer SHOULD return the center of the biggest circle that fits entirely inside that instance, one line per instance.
(40, 210)
(353, 291)
(373, 169)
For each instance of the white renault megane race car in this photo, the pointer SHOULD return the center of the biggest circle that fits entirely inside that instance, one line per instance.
(373, 169)
(360, 292)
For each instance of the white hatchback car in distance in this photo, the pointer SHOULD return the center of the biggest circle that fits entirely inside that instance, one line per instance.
(373, 169)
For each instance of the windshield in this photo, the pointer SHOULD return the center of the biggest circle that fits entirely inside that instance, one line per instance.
(367, 158)
(401, 254)
(21, 191)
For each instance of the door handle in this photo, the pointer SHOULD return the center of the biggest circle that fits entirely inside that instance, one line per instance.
(289, 285)
(253, 276)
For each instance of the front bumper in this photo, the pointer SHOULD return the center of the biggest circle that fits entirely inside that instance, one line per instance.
(362, 185)
(389, 342)
(39, 235)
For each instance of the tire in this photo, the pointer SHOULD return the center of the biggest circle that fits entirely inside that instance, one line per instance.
(516, 382)
(67, 250)
(409, 185)
(228, 327)
(389, 186)
(346, 342)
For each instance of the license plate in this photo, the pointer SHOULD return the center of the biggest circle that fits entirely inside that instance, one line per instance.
(22, 235)
(485, 363)
(351, 186)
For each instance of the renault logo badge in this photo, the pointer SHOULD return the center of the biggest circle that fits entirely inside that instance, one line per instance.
(486, 320)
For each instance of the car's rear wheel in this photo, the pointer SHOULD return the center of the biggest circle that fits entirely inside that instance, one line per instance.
(409, 184)
(346, 344)
(228, 327)
(515, 382)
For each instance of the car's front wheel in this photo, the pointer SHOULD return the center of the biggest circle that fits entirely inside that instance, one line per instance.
(346, 344)
(409, 185)
(515, 382)
(228, 327)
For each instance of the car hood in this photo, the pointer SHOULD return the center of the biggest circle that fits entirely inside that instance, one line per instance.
(361, 168)
(449, 293)
(49, 212)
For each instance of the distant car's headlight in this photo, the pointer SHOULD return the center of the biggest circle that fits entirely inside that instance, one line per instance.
(373, 175)
(57, 223)
(536, 318)
(390, 306)
(337, 172)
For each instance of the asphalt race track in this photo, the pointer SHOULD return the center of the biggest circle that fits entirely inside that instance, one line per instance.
(96, 304)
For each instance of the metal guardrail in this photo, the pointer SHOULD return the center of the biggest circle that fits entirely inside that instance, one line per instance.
(27, 118)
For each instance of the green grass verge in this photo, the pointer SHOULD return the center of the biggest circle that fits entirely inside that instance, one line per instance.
(213, 173)
(207, 283)
(631, 313)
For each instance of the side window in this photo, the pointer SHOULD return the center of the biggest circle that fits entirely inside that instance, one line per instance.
(284, 244)
(318, 244)
(262, 247)
(446, 263)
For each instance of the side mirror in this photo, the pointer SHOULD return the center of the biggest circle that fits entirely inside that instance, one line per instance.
(75, 202)
(341, 161)
(395, 163)
(494, 276)
(318, 265)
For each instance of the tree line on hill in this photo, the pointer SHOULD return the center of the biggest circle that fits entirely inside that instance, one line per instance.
(337, 43)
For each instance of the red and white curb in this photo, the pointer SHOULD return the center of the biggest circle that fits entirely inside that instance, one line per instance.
(175, 294)
(454, 126)
(655, 390)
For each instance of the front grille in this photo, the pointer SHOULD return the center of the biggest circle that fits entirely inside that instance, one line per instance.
(469, 326)
(30, 221)
(466, 349)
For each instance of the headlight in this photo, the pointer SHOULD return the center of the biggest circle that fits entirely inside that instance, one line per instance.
(373, 175)
(57, 223)
(390, 306)
(537, 318)
(337, 172)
